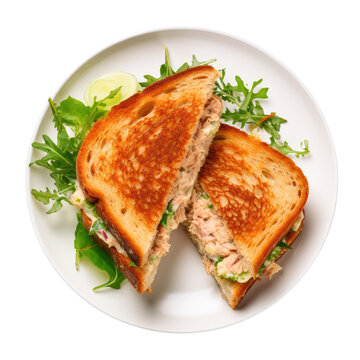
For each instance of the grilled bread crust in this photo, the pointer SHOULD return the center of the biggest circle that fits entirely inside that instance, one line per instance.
(232, 291)
(257, 191)
(140, 278)
(129, 160)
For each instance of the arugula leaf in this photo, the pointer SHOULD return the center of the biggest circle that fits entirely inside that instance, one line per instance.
(249, 111)
(46, 196)
(86, 246)
(56, 157)
(73, 120)
(238, 115)
(167, 215)
(239, 94)
(71, 116)
(272, 126)
(166, 69)
(286, 149)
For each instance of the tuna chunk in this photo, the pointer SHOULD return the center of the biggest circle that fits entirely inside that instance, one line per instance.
(272, 269)
(214, 239)
(181, 192)
(161, 244)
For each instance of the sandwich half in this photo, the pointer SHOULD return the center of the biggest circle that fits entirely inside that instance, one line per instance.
(245, 211)
(137, 167)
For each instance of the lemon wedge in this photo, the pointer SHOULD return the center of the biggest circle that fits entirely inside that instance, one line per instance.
(101, 87)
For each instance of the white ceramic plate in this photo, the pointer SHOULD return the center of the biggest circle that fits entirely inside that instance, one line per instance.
(184, 298)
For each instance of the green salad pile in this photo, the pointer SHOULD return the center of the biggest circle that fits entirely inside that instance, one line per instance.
(73, 119)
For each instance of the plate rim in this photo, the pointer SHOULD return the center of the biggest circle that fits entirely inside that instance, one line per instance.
(133, 36)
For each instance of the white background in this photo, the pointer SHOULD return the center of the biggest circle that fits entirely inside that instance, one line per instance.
(42, 43)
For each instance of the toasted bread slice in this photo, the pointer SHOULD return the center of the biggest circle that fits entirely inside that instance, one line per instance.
(247, 199)
(130, 160)
(233, 291)
(257, 192)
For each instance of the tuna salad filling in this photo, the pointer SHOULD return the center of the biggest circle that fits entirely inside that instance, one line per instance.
(181, 192)
(219, 248)
(215, 241)
(194, 159)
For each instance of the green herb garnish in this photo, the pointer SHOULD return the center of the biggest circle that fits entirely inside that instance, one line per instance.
(219, 259)
(72, 117)
(153, 258)
(132, 264)
(261, 268)
(85, 246)
(283, 243)
(210, 206)
(236, 277)
(204, 195)
(275, 253)
(286, 149)
(247, 110)
(167, 215)
(47, 195)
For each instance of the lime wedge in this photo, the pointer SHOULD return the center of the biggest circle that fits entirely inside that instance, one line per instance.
(101, 87)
